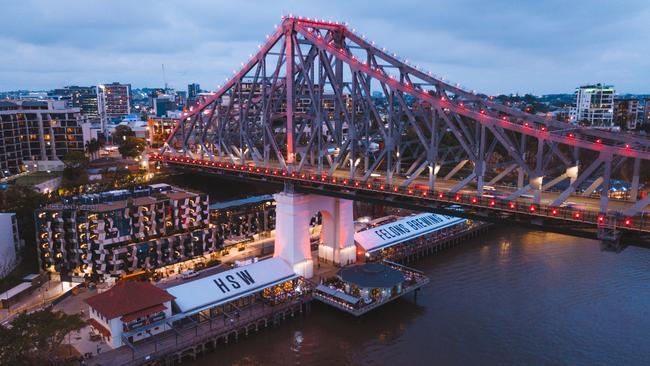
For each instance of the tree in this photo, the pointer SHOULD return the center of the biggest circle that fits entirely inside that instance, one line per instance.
(75, 159)
(121, 134)
(74, 173)
(32, 338)
(93, 146)
(132, 147)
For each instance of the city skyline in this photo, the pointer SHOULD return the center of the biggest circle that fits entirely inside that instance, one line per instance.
(550, 52)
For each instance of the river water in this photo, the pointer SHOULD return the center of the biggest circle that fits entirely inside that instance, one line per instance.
(512, 296)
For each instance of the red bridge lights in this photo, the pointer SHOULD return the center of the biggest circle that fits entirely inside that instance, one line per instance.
(598, 141)
(512, 205)
(441, 195)
(395, 189)
(532, 208)
(576, 215)
(493, 203)
(410, 191)
(381, 187)
(571, 136)
(356, 184)
(457, 198)
(312, 177)
(369, 185)
(554, 212)
(424, 193)
(627, 222)
(474, 200)
(601, 219)
(345, 181)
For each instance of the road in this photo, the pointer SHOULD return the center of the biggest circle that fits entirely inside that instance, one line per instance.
(582, 203)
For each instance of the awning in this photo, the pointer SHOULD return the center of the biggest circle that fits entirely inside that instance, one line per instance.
(220, 288)
(144, 312)
(399, 231)
(100, 328)
(338, 294)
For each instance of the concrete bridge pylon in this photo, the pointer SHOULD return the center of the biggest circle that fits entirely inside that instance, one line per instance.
(292, 239)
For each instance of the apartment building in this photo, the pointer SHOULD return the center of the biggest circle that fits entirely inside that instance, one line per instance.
(37, 131)
(116, 233)
(594, 106)
(113, 101)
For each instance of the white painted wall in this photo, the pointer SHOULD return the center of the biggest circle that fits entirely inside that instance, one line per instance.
(293, 214)
(8, 255)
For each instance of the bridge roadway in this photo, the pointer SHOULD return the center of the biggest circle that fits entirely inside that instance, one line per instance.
(583, 210)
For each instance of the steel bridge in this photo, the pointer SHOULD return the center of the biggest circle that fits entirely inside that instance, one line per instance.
(322, 108)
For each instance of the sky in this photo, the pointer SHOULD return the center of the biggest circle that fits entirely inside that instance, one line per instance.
(495, 46)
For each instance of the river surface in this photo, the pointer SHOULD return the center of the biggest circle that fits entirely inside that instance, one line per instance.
(512, 296)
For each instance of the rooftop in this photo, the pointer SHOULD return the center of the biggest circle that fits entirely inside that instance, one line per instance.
(371, 275)
(240, 202)
(128, 297)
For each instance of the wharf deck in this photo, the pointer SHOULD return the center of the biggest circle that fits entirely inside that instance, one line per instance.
(192, 340)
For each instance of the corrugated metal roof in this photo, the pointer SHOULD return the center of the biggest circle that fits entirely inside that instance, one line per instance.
(240, 202)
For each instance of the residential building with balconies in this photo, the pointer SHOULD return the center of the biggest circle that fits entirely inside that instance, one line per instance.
(117, 233)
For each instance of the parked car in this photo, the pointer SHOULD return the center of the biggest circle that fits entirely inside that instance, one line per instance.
(189, 274)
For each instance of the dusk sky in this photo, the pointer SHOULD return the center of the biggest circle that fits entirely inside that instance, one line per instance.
(491, 46)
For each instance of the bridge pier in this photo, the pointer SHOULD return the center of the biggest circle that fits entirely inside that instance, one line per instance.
(292, 240)
(610, 239)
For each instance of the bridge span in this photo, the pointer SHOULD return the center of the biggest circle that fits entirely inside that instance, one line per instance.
(584, 218)
(320, 107)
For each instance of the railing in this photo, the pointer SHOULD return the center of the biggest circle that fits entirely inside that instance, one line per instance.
(232, 325)
(610, 219)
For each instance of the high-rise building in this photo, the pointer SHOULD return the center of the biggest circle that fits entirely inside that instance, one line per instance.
(82, 97)
(112, 234)
(162, 104)
(113, 102)
(628, 113)
(645, 115)
(594, 106)
(10, 243)
(38, 132)
(193, 91)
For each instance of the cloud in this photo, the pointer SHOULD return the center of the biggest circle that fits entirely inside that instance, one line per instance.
(494, 47)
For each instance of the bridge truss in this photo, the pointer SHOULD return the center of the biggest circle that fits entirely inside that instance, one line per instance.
(306, 104)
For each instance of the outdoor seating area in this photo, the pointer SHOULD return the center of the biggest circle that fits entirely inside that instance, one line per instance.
(360, 288)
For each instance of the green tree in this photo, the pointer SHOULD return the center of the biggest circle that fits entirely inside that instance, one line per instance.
(121, 134)
(92, 148)
(74, 173)
(132, 147)
(32, 338)
(75, 159)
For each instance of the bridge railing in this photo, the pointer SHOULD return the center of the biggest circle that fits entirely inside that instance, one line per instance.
(610, 219)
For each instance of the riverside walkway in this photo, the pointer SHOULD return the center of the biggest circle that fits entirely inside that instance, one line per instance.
(190, 340)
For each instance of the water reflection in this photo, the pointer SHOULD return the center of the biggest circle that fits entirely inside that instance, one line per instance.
(509, 297)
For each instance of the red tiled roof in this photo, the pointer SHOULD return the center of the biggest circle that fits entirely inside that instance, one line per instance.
(126, 298)
(100, 328)
(144, 312)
